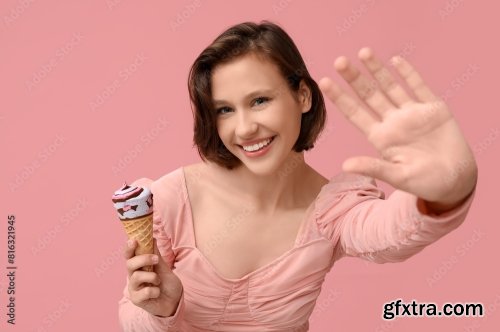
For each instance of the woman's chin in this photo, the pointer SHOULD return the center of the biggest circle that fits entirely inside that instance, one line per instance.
(266, 168)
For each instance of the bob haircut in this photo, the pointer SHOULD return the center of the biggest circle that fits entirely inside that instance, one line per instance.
(273, 43)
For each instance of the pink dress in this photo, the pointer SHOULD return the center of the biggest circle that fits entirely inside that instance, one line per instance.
(349, 217)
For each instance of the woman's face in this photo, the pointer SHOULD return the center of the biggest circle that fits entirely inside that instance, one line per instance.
(257, 111)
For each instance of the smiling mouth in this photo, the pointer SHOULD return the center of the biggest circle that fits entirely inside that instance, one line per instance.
(259, 148)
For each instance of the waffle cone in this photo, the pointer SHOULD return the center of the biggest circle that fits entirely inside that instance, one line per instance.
(141, 229)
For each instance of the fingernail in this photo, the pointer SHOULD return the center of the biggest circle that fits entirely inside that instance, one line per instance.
(395, 60)
(155, 259)
(130, 243)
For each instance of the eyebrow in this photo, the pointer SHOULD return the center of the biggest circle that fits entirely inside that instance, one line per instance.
(248, 96)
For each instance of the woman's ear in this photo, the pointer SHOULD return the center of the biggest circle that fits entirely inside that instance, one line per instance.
(304, 96)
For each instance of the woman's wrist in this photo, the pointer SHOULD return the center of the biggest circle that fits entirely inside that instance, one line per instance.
(173, 309)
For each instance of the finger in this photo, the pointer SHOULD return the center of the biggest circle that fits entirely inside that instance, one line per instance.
(129, 250)
(137, 262)
(413, 79)
(155, 247)
(140, 278)
(366, 89)
(162, 266)
(144, 294)
(373, 167)
(386, 80)
(348, 106)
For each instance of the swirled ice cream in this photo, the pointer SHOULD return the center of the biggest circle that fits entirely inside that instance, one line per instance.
(132, 202)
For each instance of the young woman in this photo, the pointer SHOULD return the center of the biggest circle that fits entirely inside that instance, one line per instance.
(245, 238)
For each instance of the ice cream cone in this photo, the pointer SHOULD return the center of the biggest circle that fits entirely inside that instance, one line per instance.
(141, 229)
(134, 206)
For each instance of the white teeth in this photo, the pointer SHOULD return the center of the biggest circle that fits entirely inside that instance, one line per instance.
(257, 146)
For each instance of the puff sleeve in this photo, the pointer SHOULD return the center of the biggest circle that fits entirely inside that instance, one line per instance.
(132, 317)
(353, 213)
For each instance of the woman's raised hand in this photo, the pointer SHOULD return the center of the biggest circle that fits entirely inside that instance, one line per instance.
(422, 150)
(157, 292)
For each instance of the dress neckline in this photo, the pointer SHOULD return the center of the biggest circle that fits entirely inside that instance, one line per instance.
(308, 216)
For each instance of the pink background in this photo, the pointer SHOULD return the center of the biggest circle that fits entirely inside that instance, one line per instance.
(76, 76)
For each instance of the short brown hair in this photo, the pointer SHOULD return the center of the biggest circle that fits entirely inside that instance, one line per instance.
(266, 39)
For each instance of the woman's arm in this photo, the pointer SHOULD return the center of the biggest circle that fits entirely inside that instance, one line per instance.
(423, 155)
(394, 229)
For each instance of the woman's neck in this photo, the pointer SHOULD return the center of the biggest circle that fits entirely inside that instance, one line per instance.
(284, 188)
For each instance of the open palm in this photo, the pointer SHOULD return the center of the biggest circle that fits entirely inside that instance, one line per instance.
(422, 149)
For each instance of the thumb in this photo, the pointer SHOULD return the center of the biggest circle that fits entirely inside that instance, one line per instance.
(162, 266)
(372, 167)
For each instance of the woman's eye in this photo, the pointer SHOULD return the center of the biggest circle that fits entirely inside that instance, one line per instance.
(260, 100)
(223, 110)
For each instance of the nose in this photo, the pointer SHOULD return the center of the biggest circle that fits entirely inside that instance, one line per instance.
(246, 126)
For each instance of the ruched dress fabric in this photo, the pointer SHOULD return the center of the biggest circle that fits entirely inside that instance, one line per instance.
(349, 217)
